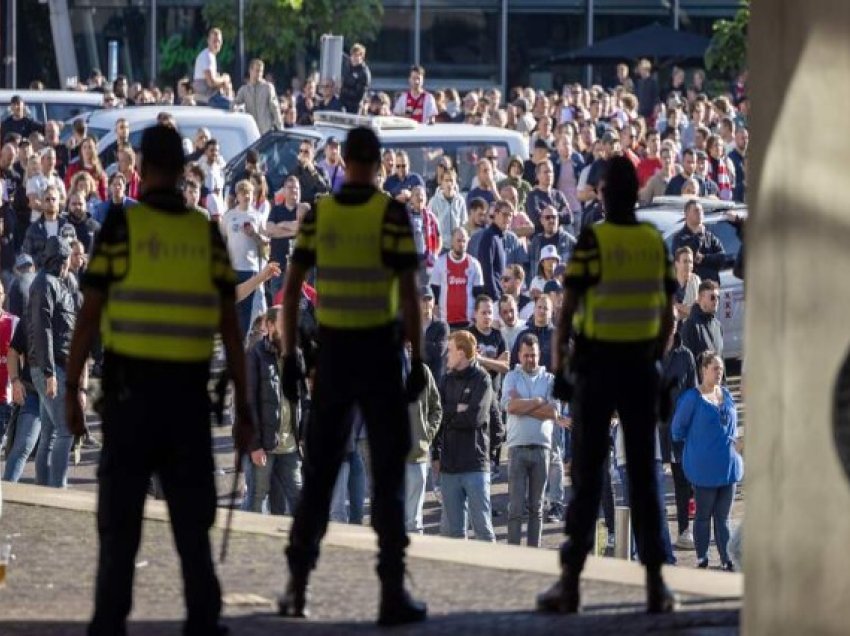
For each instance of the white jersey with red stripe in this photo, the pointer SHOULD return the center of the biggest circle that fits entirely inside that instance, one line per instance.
(456, 279)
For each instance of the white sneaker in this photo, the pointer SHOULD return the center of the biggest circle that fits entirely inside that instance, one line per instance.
(685, 540)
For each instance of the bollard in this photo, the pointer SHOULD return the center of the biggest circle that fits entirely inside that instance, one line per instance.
(622, 533)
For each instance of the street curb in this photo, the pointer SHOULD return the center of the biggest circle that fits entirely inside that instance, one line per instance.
(705, 583)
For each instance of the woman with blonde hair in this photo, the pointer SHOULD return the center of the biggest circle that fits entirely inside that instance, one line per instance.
(84, 183)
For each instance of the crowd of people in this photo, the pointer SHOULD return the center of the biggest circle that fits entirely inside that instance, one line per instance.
(492, 262)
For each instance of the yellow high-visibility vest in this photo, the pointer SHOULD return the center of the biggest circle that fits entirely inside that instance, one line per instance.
(166, 307)
(626, 304)
(356, 290)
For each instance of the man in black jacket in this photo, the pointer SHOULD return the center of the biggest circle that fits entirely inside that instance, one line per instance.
(461, 449)
(540, 324)
(312, 178)
(702, 330)
(356, 79)
(274, 452)
(709, 255)
(85, 227)
(436, 336)
(51, 317)
(48, 225)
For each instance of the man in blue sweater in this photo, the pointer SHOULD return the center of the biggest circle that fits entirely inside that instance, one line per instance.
(491, 249)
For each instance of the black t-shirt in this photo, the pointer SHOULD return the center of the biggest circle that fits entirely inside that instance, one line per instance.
(279, 247)
(490, 345)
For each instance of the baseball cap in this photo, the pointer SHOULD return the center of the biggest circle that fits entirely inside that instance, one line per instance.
(552, 286)
(23, 260)
(332, 141)
(426, 292)
(550, 251)
(542, 143)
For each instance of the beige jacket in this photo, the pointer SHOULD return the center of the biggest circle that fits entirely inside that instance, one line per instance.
(260, 101)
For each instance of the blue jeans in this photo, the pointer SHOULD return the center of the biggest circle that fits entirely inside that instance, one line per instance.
(713, 504)
(219, 101)
(555, 488)
(527, 471)
(5, 412)
(460, 489)
(246, 306)
(350, 491)
(665, 527)
(280, 481)
(27, 431)
(414, 497)
(54, 449)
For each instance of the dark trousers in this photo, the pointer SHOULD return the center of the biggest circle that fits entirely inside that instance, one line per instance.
(622, 378)
(683, 493)
(355, 367)
(155, 425)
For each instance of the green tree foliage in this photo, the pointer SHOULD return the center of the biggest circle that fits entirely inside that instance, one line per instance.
(276, 30)
(727, 52)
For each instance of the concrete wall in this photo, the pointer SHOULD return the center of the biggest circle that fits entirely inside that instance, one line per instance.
(797, 541)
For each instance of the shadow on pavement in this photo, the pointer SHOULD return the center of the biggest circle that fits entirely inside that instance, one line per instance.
(704, 623)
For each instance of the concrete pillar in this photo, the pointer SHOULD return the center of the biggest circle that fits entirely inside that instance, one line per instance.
(796, 557)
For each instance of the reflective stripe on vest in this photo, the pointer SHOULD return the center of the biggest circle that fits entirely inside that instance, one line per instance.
(626, 304)
(356, 290)
(167, 306)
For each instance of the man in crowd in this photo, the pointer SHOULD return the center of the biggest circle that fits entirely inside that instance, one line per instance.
(282, 227)
(275, 455)
(426, 414)
(738, 157)
(48, 225)
(491, 249)
(541, 151)
(688, 171)
(542, 328)
(117, 197)
(656, 185)
(449, 207)
(356, 79)
(426, 231)
(416, 103)
(85, 227)
(51, 318)
(435, 336)
(399, 184)
(553, 234)
(260, 99)
(478, 219)
(709, 255)
(313, 181)
(509, 324)
(512, 285)
(527, 399)
(329, 100)
(332, 164)
(485, 184)
(457, 281)
(461, 449)
(702, 330)
(52, 140)
(209, 85)
(545, 194)
(19, 122)
(651, 161)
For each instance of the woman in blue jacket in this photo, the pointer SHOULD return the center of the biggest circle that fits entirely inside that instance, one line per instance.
(707, 422)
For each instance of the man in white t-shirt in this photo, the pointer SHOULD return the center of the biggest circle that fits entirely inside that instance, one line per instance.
(416, 103)
(208, 83)
(241, 227)
(457, 280)
(38, 183)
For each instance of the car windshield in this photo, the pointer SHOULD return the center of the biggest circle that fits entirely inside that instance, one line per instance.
(64, 112)
(278, 158)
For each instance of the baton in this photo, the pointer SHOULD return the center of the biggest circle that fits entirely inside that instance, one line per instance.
(229, 523)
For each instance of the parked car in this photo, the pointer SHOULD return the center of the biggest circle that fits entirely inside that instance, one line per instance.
(425, 144)
(234, 131)
(57, 105)
(667, 214)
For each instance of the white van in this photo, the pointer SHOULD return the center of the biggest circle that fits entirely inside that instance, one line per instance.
(465, 144)
(57, 105)
(234, 131)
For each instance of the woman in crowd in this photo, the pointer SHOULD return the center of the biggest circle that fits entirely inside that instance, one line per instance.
(89, 162)
(686, 294)
(83, 182)
(127, 167)
(707, 422)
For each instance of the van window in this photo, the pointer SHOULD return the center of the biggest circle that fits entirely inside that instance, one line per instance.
(278, 158)
(464, 156)
(64, 112)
